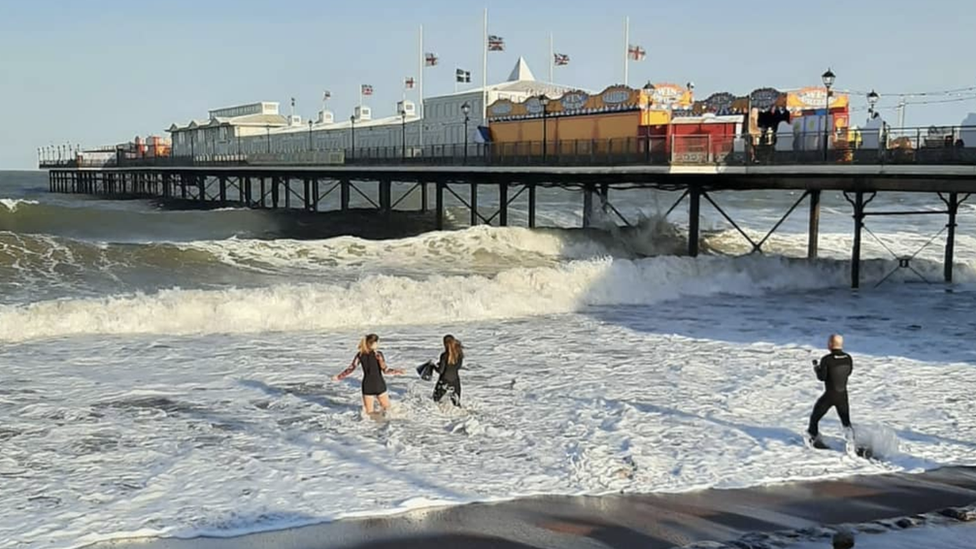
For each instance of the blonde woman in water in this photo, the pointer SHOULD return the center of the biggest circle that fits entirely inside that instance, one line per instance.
(374, 366)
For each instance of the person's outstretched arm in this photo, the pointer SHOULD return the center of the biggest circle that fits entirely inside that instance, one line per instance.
(383, 366)
(352, 367)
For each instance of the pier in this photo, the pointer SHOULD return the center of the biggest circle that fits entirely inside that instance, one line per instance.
(696, 173)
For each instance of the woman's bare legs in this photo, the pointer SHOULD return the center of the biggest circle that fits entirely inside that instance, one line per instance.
(384, 401)
(368, 404)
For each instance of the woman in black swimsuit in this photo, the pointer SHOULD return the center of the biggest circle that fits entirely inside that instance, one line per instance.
(450, 362)
(374, 366)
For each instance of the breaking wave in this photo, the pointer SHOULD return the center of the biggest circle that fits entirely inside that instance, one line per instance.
(378, 300)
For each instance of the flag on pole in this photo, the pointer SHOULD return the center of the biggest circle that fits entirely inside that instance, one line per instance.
(367, 89)
(293, 102)
(496, 43)
(431, 59)
(408, 83)
(462, 76)
(560, 59)
(636, 53)
(326, 95)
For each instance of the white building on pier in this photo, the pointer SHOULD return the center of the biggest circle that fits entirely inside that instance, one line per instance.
(259, 128)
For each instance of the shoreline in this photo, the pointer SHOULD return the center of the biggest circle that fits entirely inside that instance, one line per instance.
(651, 521)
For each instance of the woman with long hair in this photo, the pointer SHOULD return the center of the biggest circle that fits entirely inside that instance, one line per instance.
(450, 362)
(374, 366)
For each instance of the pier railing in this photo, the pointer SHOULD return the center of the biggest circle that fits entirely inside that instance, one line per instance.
(928, 146)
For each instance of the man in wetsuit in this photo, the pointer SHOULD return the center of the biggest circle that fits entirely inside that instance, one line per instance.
(833, 369)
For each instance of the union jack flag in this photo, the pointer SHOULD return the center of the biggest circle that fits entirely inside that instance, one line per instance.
(636, 53)
(496, 43)
(431, 59)
(408, 83)
(560, 59)
(367, 89)
(326, 95)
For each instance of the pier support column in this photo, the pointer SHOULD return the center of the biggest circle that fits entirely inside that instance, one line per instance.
(694, 212)
(264, 192)
(604, 196)
(223, 188)
(503, 204)
(241, 193)
(531, 222)
(287, 192)
(344, 194)
(856, 251)
(247, 192)
(813, 233)
(167, 183)
(307, 196)
(953, 204)
(423, 197)
(588, 191)
(202, 188)
(386, 198)
(275, 182)
(439, 204)
(474, 204)
(182, 186)
(315, 194)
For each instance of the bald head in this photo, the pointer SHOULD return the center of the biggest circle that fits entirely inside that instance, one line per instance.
(835, 342)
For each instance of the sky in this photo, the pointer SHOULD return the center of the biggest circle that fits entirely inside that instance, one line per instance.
(100, 72)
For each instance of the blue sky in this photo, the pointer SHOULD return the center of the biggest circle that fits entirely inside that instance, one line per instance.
(103, 71)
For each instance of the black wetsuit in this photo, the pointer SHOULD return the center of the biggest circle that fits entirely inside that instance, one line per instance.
(449, 381)
(833, 370)
(373, 383)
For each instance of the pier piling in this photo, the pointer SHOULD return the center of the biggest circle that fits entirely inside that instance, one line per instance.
(694, 212)
(344, 194)
(856, 250)
(588, 191)
(439, 205)
(531, 212)
(953, 208)
(813, 233)
(474, 204)
(503, 204)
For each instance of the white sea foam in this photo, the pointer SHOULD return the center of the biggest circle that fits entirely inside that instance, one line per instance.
(391, 300)
(12, 204)
(224, 435)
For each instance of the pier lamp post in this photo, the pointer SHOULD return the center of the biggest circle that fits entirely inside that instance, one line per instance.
(352, 124)
(545, 126)
(873, 98)
(309, 135)
(403, 132)
(466, 110)
(267, 130)
(828, 81)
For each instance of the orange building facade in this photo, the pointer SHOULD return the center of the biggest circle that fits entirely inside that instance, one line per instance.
(663, 120)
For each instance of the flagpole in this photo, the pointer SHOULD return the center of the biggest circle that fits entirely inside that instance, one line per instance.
(552, 57)
(627, 51)
(420, 85)
(484, 73)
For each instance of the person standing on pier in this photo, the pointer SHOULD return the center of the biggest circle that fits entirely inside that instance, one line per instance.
(374, 366)
(447, 366)
(833, 370)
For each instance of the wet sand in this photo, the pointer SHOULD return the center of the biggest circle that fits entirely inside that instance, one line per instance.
(648, 521)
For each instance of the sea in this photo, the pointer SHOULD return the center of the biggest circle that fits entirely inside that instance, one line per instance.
(167, 372)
